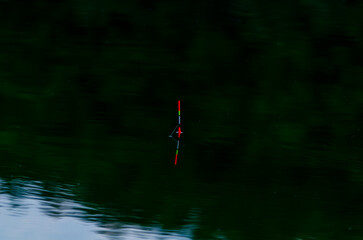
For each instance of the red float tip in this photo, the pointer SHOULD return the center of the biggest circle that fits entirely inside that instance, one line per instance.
(179, 132)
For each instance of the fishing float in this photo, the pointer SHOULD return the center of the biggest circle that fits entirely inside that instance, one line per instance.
(179, 132)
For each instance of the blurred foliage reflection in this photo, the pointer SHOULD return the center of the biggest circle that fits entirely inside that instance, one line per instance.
(272, 105)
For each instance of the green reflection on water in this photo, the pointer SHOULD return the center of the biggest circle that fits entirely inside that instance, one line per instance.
(271, 109)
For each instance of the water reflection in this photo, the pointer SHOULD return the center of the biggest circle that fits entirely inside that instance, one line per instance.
(272, 112)
(27, 214)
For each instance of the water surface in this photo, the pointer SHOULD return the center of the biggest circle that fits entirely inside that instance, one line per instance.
(271, 104)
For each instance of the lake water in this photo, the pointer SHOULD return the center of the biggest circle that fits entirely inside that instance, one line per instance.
(271, 109)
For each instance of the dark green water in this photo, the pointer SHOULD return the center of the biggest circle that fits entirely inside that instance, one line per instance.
(272, 110)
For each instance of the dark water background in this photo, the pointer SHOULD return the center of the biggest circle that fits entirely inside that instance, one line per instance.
(272, 110)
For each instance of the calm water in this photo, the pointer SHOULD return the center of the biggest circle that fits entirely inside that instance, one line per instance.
(271, 104)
